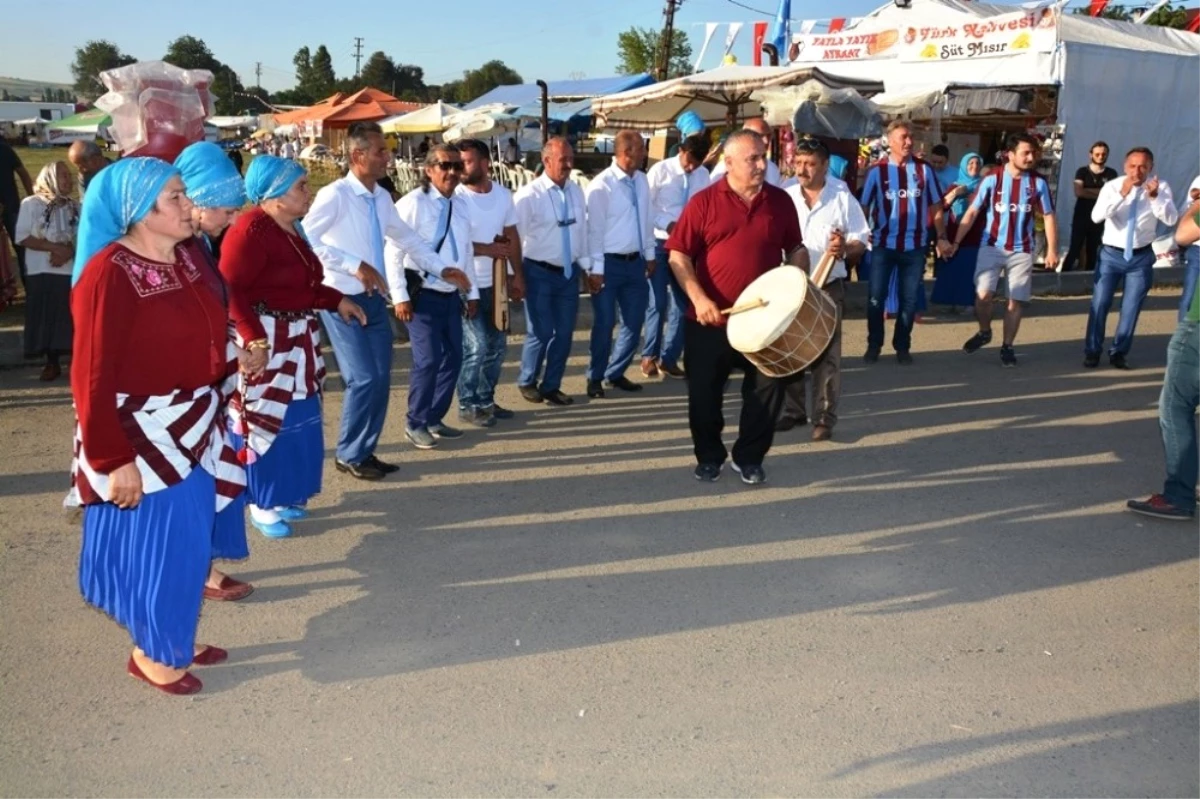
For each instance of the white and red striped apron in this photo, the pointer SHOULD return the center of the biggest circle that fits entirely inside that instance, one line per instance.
(170, 435)
(295, 371)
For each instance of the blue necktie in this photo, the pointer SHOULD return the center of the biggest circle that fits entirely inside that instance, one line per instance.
(444, 231)
(1129, 228)
(376, 236)
(565, 230)
(637, 214)
(687, 188)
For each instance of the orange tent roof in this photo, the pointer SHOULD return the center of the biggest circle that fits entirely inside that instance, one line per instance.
(340, 110)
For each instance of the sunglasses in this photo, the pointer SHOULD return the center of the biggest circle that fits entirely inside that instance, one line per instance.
(449, 166)
(811, 146)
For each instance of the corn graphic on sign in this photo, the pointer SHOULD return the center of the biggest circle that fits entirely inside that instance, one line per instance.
(1022, 42)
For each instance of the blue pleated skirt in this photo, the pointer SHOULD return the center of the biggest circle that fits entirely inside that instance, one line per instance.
(955, 283)
(290, 472)
(229, 531)
(146, 567)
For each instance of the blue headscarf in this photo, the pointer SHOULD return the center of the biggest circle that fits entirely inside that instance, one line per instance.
(119, 196)
(269, 177)
(210, 178)
(837, 166)
(959, 206)
(689, 123)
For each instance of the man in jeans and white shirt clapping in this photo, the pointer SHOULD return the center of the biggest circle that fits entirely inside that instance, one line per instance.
(347, 225)
(1130, 208)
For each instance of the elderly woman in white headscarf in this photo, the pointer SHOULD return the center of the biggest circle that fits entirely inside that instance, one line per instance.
(46, 228)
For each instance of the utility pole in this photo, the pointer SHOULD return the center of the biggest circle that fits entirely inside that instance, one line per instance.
(668, 38)
(357, 54)
(258, 74)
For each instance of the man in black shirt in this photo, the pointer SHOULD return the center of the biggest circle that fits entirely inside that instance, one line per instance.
(10, 201)
(1085, 234)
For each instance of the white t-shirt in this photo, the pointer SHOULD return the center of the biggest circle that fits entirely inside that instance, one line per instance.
(490, 213)
(60, 229)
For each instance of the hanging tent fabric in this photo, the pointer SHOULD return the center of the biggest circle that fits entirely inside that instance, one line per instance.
(430, 119)
(714, 95)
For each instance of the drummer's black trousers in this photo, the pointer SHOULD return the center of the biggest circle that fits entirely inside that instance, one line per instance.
(709, 361)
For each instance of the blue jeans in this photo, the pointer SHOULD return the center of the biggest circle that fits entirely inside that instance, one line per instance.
(436, 336)
(364, 356)
(668, 304)
(551, 305)
(624, 287)
(483, 356)
(1138, 275)
(1177, 415)
(1191, 273)
(911, 266)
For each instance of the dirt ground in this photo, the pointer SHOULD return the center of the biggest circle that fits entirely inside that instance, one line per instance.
(947, 599)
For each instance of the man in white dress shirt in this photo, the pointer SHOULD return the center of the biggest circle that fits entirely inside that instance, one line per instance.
(621, 239)
(552, 221)
(428, 305)
(673, 181)
(1130, 208)
(831, 220)
(759, 126)
(493, 235)
(347, 225)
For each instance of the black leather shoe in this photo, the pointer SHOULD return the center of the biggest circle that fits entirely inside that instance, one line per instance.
(386, 468)
(501, 413)
(531, 393)
(556, 397)
(1091, 360)
(904, 358)
(624, 383)
(363, 471)
(786, 423)
(871, 355)
(595, 390)
(1117, 361)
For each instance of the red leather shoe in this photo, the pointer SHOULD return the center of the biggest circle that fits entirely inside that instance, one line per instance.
(230, 590)
(187, 684)
(210, 656)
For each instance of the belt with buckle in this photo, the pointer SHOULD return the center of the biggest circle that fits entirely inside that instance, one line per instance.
(1136, 250)
(624, 256)
(287, 316)
(545, 265)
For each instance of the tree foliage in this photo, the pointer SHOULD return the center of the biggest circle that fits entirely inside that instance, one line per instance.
(1169, 16)
(90, 60)
(637, 52)
(477, 82)
(188, 52)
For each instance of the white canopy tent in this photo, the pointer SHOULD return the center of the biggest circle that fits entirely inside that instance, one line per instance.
(1130, 85)
(430, 119)
(714, 95)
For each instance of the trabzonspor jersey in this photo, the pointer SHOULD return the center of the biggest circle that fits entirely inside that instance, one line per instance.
(1010, 203)
(898, 200)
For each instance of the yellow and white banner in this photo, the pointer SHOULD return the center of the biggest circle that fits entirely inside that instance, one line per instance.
(1032, 30)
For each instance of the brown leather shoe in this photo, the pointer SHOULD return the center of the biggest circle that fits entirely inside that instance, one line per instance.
(50, 371)
(672, 371)
(230, 590)
(649, 367)
(821, 433)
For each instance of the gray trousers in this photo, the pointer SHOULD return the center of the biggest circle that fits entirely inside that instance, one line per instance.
(826, 374)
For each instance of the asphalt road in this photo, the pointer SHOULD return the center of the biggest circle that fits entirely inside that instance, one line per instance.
(948, 599)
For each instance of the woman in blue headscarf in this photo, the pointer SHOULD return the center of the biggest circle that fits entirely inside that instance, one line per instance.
(275, 286)
(954, 283)
(838, 166)
(152, 462)
(215, 188)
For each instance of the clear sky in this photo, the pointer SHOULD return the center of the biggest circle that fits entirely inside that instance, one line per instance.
(548, 39)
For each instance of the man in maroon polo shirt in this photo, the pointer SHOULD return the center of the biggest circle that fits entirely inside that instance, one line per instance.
(730, 234)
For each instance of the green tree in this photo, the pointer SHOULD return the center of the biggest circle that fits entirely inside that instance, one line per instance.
(1169, 16)
(188, 52)
(379, 72)
(92, 59)
(322, 80)
(477, 82)
(637, 52)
